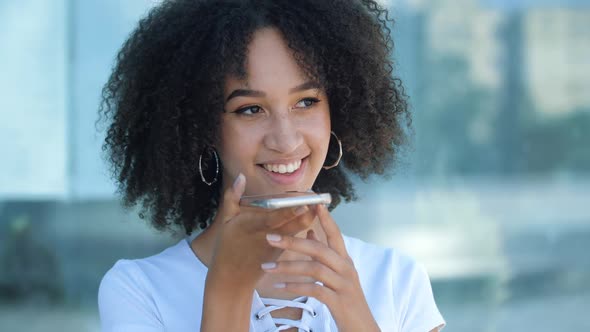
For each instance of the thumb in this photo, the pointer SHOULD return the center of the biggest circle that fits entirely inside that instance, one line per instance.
(230, 206)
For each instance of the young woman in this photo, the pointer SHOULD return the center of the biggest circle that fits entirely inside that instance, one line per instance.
(211, 100)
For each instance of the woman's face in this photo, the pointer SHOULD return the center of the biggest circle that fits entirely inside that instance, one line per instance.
(276, 125)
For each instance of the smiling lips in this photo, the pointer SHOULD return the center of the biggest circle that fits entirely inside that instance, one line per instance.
(287, 173)
(283, 168)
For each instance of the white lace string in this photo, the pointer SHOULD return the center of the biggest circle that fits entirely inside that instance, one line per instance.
(284, 323)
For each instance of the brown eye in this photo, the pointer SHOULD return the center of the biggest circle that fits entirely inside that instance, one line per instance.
(250, 110)
(306, 103)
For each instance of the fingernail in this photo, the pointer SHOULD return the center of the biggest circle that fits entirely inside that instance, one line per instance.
(301, 210)
(273, 237)
(280, 285)
(239, 179)
(268, 266)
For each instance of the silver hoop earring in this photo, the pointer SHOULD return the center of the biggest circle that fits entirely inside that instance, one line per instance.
(339, 153)
(216, 169)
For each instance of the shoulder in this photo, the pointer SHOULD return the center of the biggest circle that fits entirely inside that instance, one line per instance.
(172, 262)
(367, 256)
(125, 299)
(394, 280)
(140, 271)
(138, 289)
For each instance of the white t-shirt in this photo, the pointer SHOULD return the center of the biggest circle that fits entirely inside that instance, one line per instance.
(164, 292)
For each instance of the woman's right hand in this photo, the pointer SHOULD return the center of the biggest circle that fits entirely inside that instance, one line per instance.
(241, 245)
(239, 250)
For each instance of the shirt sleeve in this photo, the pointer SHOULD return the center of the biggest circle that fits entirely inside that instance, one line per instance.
(124, 304)
(415, 301)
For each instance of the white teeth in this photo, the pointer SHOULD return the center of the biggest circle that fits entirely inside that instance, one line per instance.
(283, 168)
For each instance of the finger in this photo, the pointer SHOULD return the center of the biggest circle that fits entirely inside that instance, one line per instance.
(323, 294)
(278, 218)
(272, 221)
(311, 248)
(333, 234)
(296, 225)
(311, 235)
(230, 205)
(313, 269)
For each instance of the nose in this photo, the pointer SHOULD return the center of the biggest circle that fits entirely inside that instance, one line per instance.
(283, 135)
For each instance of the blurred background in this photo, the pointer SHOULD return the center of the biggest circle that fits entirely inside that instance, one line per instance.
(493, 196)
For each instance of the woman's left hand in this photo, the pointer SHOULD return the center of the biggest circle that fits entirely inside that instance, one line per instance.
(341, 290)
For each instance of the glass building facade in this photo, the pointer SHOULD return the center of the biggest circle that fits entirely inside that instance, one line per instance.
(492, 195)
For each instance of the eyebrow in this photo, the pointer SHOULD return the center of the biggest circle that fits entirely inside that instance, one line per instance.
(255, 93)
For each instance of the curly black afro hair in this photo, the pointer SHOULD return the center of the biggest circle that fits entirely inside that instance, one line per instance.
(163, 100)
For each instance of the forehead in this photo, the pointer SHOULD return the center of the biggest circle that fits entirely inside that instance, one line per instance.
(270, 64)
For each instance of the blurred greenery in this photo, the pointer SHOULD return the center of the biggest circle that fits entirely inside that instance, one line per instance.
(558, 144)
(30, 269)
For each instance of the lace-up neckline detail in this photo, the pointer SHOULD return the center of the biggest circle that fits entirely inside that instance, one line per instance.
(284, 323)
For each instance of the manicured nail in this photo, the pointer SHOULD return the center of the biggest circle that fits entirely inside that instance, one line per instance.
(301, 210)
(280, 285)
(273, 237)
(268, 266)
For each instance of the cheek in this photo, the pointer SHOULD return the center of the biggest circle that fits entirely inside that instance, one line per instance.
(322, 129)
(237, 144)
(318, 131)
(227, 146)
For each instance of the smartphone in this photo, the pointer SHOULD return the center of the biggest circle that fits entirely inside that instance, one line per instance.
(287, 199)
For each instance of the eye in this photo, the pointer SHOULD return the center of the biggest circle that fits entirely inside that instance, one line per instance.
(249, 110)
(306, 103)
